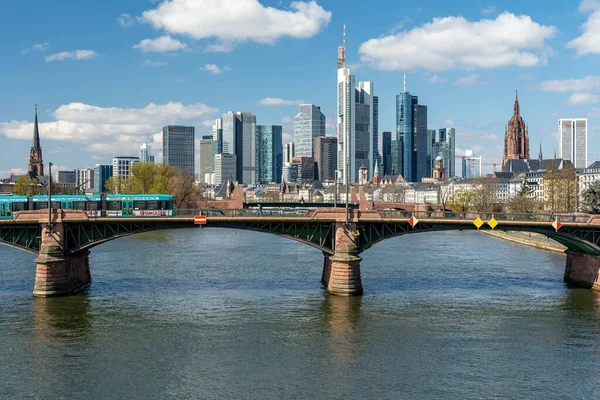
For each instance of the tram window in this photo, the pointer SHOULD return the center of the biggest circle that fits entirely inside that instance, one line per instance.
(140, 205)
(168, 205)
(152, 205)
(43, 205)
(79, 205)
(18, 207)
(92, 205)
(113, 205)
(56, 205)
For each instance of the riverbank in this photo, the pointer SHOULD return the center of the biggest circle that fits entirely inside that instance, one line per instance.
(535, 240)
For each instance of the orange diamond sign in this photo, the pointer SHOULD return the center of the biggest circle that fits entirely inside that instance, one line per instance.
(493, 223)
(413, 221)
(478, 222)
(556, 224)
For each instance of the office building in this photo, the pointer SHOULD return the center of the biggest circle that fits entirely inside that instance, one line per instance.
(239, 138)
(447, 136)
(411, 134)
(179, 147)
(84, 179)
(122, 165)
(325, 158)
(67, 178)
(146, 153)
(225, 168)
(386, 153)
(366, 129)
(290, 172)
(101, 174)
(471, 165)
(306, 169)
(217, 137)
(431, 136)
(288, 152)
(270, 153)
(249, 145)
(309, 124)
(206, 158)
(572, 141)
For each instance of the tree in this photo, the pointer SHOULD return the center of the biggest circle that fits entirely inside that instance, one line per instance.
(560, 189)
(590, 199)
(461, 200)
(521, 203)
(484, 198)
(185, 191)
(27, 186)
(142, 177)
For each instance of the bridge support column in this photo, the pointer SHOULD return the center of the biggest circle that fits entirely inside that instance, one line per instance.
(341, 273)
(58, 274)
(583, 270)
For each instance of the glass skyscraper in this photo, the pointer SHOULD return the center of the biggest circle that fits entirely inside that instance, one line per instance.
(270, 153)
(572, 141)
(101, 174)
(448, 135)
(179, 147)
(238, 136)
(309, 124)
(411, 134)
(386, 152)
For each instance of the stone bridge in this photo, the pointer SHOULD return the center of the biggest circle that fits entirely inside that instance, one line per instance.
(62, 247)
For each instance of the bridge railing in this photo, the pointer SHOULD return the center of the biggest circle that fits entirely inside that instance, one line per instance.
(243, 212)
(486, 216)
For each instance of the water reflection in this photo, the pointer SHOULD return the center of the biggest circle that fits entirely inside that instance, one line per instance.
(63, 318)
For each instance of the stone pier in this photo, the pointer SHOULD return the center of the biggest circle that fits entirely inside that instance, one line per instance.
(341, 272)
(583, 270)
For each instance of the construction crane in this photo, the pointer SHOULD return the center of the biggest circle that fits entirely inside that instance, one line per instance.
(470, 161)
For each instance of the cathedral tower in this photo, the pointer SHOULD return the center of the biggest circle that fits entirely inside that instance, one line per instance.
(36, 165)
(516, 137)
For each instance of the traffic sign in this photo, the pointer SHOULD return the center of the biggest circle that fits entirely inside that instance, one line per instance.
(478, 222)
(413, 221)
(493, 223)
(357, 233)
(557, 224)
(200, 219)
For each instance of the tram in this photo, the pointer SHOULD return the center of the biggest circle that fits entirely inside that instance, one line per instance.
(111, 205)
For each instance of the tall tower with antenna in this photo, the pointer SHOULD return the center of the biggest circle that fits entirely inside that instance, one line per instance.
(341, 58)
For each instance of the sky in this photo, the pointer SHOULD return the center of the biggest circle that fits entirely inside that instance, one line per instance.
(108, 75)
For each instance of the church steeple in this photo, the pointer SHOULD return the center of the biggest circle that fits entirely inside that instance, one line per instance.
(540, 156)
(36, 166)
(517, 111)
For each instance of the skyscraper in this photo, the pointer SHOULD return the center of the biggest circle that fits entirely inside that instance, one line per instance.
(101, 174)
(516, 136)
(249, 146)
(411, 134)
(206, 158)
(448, 135)
(572, 141)
(306, 169)
(325, 158)
(146, 153)
(386, 152)
(217, 137)
(471, 165)
(36, 164)
(179, 147)
(346, 124)
(430, 155)
(225, 168)
(367, 137)
(238, 136)
(309, 124)
(288, 152)
(270, 153)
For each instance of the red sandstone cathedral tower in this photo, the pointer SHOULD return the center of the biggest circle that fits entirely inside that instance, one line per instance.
(516, 137)
(36, 165)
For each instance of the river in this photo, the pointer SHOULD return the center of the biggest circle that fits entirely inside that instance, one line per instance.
(216, 313)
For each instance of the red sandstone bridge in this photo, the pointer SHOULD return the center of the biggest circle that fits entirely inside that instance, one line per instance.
(62, 247)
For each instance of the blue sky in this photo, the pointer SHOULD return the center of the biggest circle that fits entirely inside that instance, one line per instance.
(108, 75)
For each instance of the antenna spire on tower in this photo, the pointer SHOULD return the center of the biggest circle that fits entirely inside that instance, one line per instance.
(344, 36)
(404, 81)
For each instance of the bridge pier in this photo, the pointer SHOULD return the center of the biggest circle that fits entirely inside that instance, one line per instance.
(341, 272)
(58, 274)
(582, 270)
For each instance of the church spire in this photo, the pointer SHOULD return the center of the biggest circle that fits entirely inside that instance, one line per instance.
(36, 132)
(36, 166)
(540, 156)
(517, 111)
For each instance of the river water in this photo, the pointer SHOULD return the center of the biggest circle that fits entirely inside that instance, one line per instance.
(215, 314)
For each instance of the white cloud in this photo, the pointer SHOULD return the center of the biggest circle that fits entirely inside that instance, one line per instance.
(578, 99)
(75, 55)
(36, 47)
(160, 45)
(215, 69)
(125, 20)
(275, 101)
(287, 138)
(571, 85)
(453, 42)
(437, 79)
(234, 21)
(589, 41)
(470, 80)
(448, 123)
(109, 129)
(223, 47)
(150, 63)
(487, 10)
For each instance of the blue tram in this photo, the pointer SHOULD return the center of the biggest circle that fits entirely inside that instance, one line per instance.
(112, 205)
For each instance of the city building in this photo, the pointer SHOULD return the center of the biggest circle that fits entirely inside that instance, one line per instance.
(225, 168)
(249, 144)
(121, 168)
(346, 120)
(572, 141)
(179, 147)
(411, 135)
(206, 158)
(238, 136)
(288, 152)
(84, 179)
(363, 175)
(290, 172)
(448, 135)
(431, 136)
(325, 158)
(36, 164)
(306, 169)
(217, 137)
(366, 142)
(270, 153)
(588, 176)
(146, 153)
(101, 174)
(309, 124)
(471, 165)
(516, 137)
(439, 172)
(67, 178)
(386, 152)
